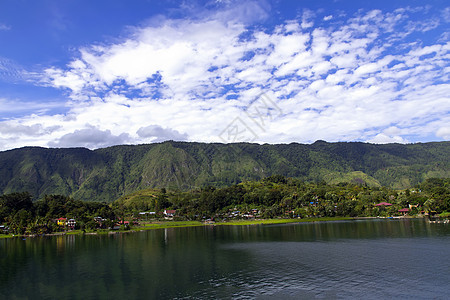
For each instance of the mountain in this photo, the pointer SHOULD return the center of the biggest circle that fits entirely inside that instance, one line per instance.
(108, 173)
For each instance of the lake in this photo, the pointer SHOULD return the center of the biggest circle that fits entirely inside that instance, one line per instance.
(370, 259)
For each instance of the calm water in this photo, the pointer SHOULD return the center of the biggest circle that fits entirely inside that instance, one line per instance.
(353, 259)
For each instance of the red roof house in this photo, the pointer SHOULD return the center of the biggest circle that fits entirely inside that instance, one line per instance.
(61, 221)
(169, 212)
(383, 204)
(403, 210)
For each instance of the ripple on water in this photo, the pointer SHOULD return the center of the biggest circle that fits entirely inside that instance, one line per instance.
(343, 269)
(350, 260)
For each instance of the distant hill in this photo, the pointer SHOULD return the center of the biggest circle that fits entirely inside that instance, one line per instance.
(109, 173)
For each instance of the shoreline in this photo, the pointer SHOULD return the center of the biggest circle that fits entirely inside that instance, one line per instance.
(184, 224)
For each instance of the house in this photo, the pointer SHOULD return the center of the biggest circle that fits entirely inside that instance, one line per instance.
(61, 221)
(143, 213)
(99, 219)
(125, 224)
(404, 211)
(383, 204)
(4, 229)
(169, 212)
(146, 214)
(71, 223)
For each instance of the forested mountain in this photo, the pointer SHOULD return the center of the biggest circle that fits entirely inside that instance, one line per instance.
(106, 174)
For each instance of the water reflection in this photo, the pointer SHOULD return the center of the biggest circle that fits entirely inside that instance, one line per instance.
(356, 259)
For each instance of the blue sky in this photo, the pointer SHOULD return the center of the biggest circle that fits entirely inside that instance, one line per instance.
(101, 73)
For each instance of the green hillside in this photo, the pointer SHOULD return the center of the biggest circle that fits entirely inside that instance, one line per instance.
(109, 173)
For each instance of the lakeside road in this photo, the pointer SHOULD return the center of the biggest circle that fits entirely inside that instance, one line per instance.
(179, 224)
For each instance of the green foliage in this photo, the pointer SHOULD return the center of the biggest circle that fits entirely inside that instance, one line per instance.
(11, 204)
(438, 191)
(23, 216)
(271, 197)
(107, 174)
(278, 196)
(356, 177)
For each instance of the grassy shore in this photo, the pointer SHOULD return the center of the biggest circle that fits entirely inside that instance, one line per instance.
(172, 224)
(169, 224)
(281, 221)
(5, 236)
(178, 224)
(445, 215)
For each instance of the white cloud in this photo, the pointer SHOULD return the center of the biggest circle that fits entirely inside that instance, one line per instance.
(367, 68)
(14, 129)
(159, 134)
(187, 79)
(422, 26)
(307, 17)
(246, 12)
(444, 132)
(90, 137)
(382, 138)
(178, 51)
(18, 106)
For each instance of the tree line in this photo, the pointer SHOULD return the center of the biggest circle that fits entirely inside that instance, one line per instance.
(23, 216)
(274, 196)
(277, 196)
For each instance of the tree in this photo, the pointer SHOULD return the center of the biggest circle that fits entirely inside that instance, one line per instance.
(12, 203)
(20, 221)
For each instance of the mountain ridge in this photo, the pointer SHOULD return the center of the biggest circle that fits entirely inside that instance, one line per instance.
(108, 173)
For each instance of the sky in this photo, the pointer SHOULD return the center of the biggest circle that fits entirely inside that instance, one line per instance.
(83, 73)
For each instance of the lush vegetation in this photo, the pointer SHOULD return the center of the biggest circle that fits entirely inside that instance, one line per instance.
(21, 215)
(278, 196)
(107, 174)
(273, 197)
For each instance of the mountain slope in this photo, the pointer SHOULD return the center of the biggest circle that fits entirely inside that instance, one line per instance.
(106, 174)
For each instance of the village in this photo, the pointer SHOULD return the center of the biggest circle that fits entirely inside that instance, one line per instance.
(140, 219)
(269, 199)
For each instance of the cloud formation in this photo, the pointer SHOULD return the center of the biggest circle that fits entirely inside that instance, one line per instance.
(33, 107)
(90, 137)
(159, 134)
(15, 130)
(366, 77)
